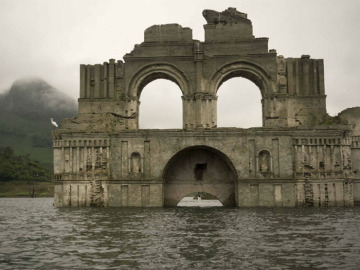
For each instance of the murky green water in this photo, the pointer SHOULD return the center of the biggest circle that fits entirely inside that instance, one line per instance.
(35, 235)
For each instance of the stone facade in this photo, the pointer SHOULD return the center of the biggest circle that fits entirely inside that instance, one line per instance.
(300, 157)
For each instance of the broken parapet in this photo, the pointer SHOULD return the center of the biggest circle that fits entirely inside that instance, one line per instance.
(229, 25)
(168, 32)
(230, 15)
(99, 81)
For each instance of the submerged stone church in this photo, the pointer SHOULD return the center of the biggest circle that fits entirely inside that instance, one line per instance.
(299, 157)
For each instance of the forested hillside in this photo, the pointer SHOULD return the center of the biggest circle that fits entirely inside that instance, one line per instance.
(21, 168)
(21, 176)
(25, 112)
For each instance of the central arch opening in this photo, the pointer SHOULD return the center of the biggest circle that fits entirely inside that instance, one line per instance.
(199, 170)
(239, 104)
(160, 105)
(199, 199)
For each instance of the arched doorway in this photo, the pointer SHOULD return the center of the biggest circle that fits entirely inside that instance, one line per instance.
(239, 104)
(160, 105)
(200, 169)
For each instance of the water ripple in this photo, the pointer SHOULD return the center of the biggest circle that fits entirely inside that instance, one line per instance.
(35, 235)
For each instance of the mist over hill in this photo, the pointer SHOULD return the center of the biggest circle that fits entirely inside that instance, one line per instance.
(25, 111)
(36, 99)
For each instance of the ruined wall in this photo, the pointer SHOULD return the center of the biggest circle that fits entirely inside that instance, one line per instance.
(292, 89)
(355, 158)
(300, 156)
(319, 164)
(271, 168)
(84, 161)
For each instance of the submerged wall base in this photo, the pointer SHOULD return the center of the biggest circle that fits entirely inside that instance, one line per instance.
(268, 194)
(252, 167)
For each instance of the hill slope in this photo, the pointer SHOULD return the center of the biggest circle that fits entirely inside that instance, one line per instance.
(24, 117)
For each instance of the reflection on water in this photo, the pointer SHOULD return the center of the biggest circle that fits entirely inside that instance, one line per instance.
(35, 235)
(198, 202)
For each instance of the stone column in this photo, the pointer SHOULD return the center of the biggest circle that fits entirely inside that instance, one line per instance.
(77, 170)
(82, 81)
(199, 95)
(111, 79)
(198, 110)
(93, 158)
(88, 82)
(105, 83)
(70, 159)
(315, 78)
(275, 157)
(188, 114)
(297, 90)
(97, 69)
(124, 160)
(62, 158)
(321, 77)
(147, 157)
(290, 75)
(85, 161)
(252, 158)
(108, 162)
(305, 66)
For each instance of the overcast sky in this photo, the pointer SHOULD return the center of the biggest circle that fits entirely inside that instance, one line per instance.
(51, 38)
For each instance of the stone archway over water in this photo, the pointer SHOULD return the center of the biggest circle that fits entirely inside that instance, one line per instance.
(199, 169)
(300, 155)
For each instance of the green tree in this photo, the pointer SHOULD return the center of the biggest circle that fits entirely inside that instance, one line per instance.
(16, 167)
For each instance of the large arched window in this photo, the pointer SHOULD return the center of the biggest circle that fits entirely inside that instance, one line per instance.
(239, 104)
(160, 105)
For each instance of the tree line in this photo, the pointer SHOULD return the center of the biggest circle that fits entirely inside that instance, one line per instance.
(21, 168)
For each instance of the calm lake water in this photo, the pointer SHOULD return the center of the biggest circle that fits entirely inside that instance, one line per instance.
(35, 235)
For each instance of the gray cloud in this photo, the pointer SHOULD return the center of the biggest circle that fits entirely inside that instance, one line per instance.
(50, 39)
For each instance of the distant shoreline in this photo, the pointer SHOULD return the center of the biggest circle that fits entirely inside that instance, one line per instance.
(20, 189)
